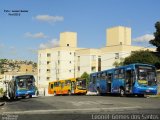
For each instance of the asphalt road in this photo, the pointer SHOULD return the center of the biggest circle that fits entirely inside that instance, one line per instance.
(81, 107)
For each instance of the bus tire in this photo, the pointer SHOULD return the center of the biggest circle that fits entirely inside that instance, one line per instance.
(122, 92)
(30, 96)
(11, 98)
(23, 97)
(140, 95)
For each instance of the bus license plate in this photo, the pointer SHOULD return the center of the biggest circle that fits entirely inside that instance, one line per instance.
(147, 90)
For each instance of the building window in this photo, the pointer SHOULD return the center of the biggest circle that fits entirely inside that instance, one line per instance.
(48, 55)
(48, 78)
(70, 53)
(70, 71)
(99, 63)
(93, 57)
(48, 62)
(78, 68)
(39, 70)
(74, 54)
(39, 55)
(70, 62)
(48, 70)
(78, 58)
(58, 62)
(58, 53)
(67, 44)
(116, 55)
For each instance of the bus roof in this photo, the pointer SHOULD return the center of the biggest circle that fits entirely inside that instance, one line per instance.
(111, 70)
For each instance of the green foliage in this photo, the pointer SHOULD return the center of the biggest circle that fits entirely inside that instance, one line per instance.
(118, 63)
(156, 40)
(85, 75)
(1, 90)
(142, 56)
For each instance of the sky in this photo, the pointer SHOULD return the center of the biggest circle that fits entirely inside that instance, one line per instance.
(37, 24)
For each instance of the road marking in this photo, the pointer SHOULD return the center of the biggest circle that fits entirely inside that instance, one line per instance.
(71, 110)
(75, 103)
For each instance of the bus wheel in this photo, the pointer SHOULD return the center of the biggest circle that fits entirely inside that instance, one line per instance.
(54, 94)
(11, 98)
(23, 97)
(140, 95)
(69, 93)
(122, 93)
(30, 96)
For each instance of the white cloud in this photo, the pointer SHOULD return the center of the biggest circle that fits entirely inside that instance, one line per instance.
(144, 38)
(48, 18)
(50, 44)
(36, 35)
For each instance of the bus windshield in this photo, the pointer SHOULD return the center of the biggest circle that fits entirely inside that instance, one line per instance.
(21, 83)
(81, 84)
(146, 75)
(25, 82)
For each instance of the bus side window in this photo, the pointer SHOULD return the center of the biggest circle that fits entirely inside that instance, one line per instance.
(59, 84)
(103, 74)
(116, 72)
(106, 76)
(121, 74)
(62, 84)
(51, 86)
(109, 77)
(99, 75)
(94, 79)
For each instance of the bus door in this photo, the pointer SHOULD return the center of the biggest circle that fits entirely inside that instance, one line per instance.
(73, 86)
(128, 80)
(109, 82)
(62, 87)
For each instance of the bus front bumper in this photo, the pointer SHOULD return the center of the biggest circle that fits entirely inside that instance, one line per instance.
(145, 90)
(24, 93)
(80, 91)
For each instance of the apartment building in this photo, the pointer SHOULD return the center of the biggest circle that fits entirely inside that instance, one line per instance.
(67, 60)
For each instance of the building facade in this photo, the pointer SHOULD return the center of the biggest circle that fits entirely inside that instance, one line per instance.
(68, 61)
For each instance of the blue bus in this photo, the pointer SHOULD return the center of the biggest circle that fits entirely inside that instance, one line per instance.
(136, 79)
(21, 86)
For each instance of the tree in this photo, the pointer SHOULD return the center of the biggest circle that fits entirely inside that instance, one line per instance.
(156, 40)
(142, 56)
(118, 63)
(86, 76)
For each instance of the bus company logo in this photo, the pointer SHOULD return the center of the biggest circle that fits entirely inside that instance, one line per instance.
(9, 117)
